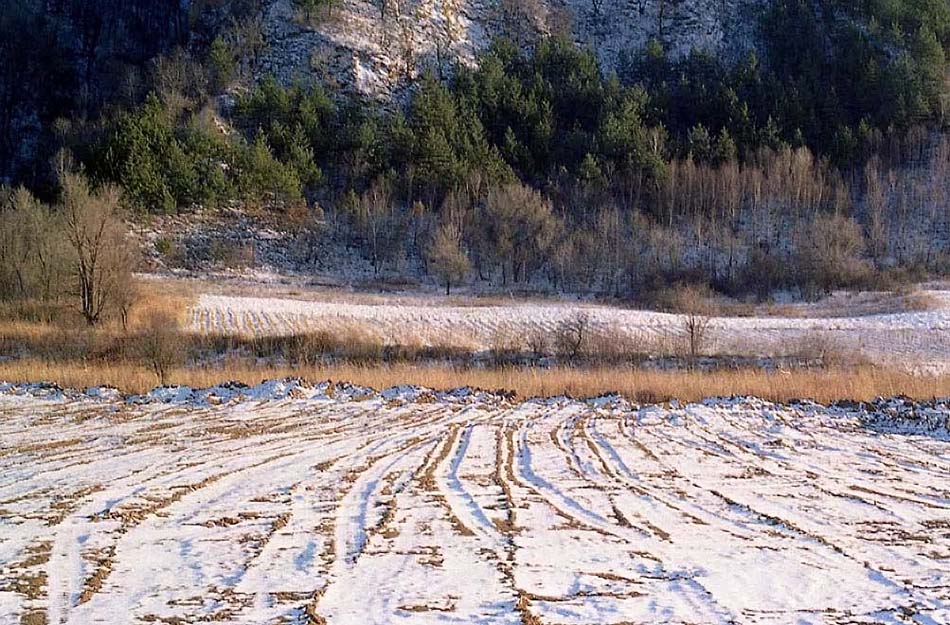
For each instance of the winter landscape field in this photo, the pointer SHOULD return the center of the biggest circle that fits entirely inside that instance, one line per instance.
(291, 503)
(916, 340)
(527, 312)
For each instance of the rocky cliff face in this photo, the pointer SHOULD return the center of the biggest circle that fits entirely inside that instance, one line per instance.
(377, 47)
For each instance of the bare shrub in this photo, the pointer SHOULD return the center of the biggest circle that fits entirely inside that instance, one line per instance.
(539, 343)
(232, 254)
(308, 349)
(507, 345)
(695, 326)
(160, 343)
(829, 253)
(918, 300)
(612, 344)
(311, 348)
(125, 301)
(572, 336)
(362, 347)
(819, 348)
(765, 271)
(697, 305)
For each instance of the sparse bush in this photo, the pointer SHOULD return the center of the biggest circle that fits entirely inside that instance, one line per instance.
(81, 248)
(32, 250)
(506, 346)
(172, 252)
(125, 301)
(446, 258)
(311, 348)
(696, 304)
(816, 347)
(572, 336)
(160, 344)
(164, 246)
(829, 254)
(314, 12)
(521, 228)
(918, 300)
(539, 343)
(231, 254)
(612, 344)
(764, 272)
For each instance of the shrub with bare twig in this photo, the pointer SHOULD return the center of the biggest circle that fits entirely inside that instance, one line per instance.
(539, 343)
(160, 344)
(572, 336)
(697, 306)
(507, 346)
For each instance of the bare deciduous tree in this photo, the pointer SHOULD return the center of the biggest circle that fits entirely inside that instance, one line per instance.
(31, 250)
(696, 308)
(572, 335)
(102, 257)
(522, 228)
(375, 218)
(446, 257)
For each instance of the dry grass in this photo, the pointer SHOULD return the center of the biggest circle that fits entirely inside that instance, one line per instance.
(920, 301)
(823, 385)
(57, 332)
(370, 293)
(37, 322)
(848, 304)
(68, 352)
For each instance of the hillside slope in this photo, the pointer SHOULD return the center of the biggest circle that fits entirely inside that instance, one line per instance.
(379, 46)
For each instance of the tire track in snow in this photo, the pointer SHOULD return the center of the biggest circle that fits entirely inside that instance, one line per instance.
(375, 511)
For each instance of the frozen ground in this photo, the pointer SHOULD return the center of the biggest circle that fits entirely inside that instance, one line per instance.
(919, 341)
(292, 504)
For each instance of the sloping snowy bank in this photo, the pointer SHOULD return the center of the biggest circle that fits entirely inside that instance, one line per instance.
(297, 503)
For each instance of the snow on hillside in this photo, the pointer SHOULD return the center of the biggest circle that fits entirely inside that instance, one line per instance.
(297, 504)
(918, 341)
(379, 47)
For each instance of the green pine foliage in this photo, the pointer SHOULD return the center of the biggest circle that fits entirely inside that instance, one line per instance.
(838, 77)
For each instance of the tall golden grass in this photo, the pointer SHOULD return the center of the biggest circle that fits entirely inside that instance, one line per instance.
(69, 353)
(56, 332)
(822, 385)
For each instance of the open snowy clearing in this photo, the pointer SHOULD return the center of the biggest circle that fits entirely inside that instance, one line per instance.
(293, 504)
(919, 341)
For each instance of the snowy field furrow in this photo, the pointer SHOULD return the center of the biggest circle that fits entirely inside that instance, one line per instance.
(914, 340)
(293, 504)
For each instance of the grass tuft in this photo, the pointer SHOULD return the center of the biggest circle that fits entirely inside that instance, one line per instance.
(823, 385)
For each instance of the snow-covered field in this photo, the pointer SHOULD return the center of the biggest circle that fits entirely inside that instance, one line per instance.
(292, 504)
(919, 341)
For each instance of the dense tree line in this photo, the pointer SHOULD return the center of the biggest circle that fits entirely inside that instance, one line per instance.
(535, 166)
(548, 116)
(68, 63)
(75, 251)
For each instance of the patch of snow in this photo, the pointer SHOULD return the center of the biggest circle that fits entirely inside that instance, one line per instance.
(915, 341)
(291, 502)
